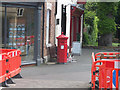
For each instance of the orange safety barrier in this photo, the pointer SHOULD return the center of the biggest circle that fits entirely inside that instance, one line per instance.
(3, 58)
(10, 63)
(104, 64)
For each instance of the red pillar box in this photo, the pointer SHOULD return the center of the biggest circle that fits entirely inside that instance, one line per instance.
(62, 49)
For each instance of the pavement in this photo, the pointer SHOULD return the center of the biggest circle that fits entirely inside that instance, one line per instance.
(71, 75)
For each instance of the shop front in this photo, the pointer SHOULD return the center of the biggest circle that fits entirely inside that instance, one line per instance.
(19, 28)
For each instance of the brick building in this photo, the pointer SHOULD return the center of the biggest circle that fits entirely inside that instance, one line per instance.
(30, 27)
(49, 32)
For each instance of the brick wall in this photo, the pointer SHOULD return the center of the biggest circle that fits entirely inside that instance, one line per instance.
(52, 27)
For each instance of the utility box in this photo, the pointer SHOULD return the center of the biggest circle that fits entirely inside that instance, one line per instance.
(62, 49)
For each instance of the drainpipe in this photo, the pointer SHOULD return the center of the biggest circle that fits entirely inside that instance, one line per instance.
(43, 32)
(5, 28)
(81, 33)
(37, 50)
(82, 27)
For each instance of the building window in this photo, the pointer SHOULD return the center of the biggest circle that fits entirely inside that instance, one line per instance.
(18, 30)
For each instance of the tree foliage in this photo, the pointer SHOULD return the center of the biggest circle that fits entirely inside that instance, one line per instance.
(90, 12)
(100, 17)
(117, 20)
(106, 14)
(90, 35)
(95, 27)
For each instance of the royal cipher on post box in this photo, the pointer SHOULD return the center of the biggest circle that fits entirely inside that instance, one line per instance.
(62, 49)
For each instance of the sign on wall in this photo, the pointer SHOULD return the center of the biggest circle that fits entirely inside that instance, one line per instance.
(20, 12)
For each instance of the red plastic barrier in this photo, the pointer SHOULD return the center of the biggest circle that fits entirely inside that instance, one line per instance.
(3, 74)
(102, 70)
(10, 63)
(14, 63)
